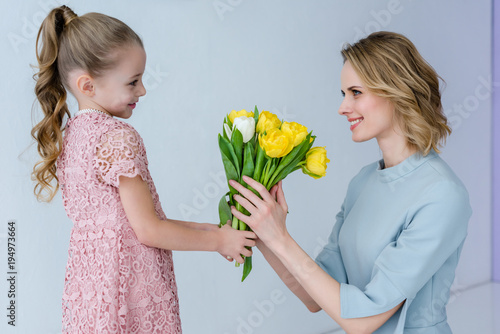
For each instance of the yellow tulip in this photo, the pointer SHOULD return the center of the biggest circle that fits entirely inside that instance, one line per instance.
(275, 143)
(267, 121)
(316, 161)
(235, 114)
(295, 130)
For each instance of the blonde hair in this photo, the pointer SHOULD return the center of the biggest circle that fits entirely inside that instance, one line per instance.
(66, 42)
(391, 67)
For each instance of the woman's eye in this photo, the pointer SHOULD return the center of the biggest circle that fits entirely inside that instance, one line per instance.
(355, 92)
(342, 92)
(133, 83)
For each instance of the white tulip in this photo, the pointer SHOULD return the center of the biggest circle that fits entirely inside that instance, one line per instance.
(246, 125)
(228, 131)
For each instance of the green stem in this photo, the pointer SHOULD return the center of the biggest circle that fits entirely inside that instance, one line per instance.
(271, 175)
(263, 176)
(238, 225)
(235, 223)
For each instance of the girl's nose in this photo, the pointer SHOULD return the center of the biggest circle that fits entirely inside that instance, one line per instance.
(142, 89)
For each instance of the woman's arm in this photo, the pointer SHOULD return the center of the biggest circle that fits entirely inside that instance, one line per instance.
(280, 269)
(267, 220)
(287, 278)
(176, 235)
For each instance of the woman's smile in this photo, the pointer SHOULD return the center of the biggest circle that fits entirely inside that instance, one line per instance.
(354, 122)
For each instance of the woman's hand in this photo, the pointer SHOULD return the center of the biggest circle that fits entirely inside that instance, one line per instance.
(267, 215)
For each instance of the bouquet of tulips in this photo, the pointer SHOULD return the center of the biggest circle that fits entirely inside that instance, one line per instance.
(267, 150)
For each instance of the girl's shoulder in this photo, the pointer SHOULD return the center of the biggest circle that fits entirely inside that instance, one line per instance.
(115, 128)
(100, 125)
(114, 124)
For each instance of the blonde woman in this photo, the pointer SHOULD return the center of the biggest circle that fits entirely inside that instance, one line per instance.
(392, 253)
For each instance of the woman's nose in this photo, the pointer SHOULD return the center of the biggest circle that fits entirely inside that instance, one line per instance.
(345, 107)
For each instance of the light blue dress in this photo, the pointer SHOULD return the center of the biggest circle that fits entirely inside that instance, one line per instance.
(398, 236)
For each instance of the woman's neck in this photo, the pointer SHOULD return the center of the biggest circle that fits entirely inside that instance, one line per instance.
(395, 152)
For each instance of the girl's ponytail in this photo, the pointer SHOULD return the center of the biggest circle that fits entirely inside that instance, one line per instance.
(68, 42)
(51, 94)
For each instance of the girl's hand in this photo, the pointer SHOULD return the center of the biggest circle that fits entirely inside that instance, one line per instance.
(214, 227)
(232, 243)
(267, 215)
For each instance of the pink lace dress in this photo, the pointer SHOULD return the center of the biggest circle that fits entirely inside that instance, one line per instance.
(114, 284)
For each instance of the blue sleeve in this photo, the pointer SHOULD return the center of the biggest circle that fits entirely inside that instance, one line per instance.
(330, 259)
(434, 231)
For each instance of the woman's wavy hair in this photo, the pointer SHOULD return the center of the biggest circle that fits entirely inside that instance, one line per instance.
(67, 42)
(391, 67)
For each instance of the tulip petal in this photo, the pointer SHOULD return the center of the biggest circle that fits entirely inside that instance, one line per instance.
(288, 164)
(227, 131)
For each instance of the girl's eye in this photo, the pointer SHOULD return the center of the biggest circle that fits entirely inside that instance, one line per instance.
(355, 92)
(133, 83)
(342, 92)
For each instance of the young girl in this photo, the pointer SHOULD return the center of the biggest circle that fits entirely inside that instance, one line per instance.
(392, 254)
(119, 276)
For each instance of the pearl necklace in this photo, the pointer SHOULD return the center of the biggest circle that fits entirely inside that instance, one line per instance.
(90, 111)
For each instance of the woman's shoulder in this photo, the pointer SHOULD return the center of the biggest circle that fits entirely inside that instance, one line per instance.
(438, 176)
(365, 172)
(359, 181)
(442, 170)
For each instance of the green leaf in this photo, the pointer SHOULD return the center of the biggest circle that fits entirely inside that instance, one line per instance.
(252, 150)
(256, 115)
(224, 211)
(228, 150)
(248, 163)
(259, 163)
(237, 141)
(247, 268)
(289, 162)
(231, 171)
(297, 152)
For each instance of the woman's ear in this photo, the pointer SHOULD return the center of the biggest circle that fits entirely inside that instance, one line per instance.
(85, 85)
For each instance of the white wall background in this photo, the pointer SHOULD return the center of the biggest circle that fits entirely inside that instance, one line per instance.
(204, 59)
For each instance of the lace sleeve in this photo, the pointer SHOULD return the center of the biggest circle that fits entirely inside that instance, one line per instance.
(120, 153)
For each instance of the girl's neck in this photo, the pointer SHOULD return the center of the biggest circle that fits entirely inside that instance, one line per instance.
(82, 106)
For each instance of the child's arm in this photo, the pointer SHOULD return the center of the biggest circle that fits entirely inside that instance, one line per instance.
(196, 226)
(174, 235)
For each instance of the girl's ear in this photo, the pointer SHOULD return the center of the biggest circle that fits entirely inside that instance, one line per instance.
(85, 84)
